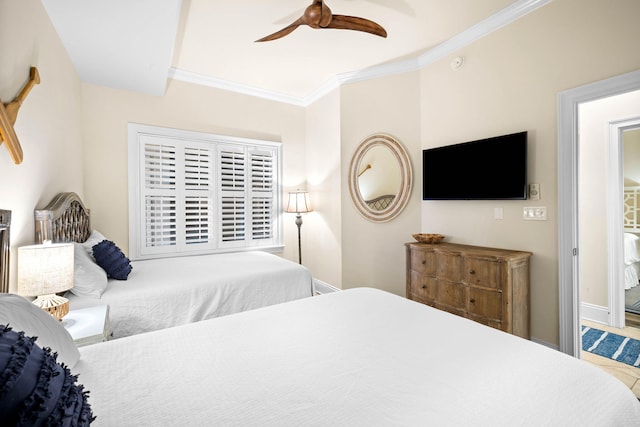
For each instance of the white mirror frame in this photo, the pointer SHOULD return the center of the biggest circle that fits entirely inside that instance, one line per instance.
(406, 178)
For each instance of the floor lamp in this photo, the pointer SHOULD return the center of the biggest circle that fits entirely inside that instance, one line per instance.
(299, 203)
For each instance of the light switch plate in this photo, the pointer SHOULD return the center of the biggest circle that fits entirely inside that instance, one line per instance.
(536, 213)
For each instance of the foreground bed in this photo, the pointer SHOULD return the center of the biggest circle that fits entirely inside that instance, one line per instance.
(357, 357)
(159, 293)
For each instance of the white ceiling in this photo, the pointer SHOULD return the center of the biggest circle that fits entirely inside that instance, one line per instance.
(138, 44)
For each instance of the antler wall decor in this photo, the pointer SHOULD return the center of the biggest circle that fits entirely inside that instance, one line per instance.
(8, 115)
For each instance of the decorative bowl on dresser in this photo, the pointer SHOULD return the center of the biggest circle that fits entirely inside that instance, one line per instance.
(428, 237)
(488, 285)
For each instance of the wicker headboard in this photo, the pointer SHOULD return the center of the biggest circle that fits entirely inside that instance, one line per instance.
(64, 219)
(5, 227)
(380, 203)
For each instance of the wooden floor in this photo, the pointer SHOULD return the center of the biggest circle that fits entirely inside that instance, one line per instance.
(629, 375)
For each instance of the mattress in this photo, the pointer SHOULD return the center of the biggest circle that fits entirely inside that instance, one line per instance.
(161, 293)
(360, 357)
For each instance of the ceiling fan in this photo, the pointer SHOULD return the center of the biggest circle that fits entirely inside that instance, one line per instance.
(318, 16)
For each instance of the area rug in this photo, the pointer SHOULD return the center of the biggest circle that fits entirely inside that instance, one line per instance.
(613, 346)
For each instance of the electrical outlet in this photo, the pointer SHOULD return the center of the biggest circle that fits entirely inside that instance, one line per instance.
(537, 213)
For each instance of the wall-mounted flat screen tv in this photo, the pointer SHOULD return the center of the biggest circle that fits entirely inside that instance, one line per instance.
(486, 169)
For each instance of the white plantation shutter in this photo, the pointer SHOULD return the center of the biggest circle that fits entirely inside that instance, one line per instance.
(261, 218)
(262, 195)
(232, 219)
(247, 196)
(233, 212)
(197, 220)
(198, 176)
(160, 218)
(159, 194)
(200, 193)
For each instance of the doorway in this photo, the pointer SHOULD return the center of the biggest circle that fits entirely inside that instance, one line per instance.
(609, 227)
(568, 208)
(609, 191)
(626, 133)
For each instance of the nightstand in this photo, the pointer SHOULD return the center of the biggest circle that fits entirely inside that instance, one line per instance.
(88, 325)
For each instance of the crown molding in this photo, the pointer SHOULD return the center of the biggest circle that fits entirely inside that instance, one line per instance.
(201, 79)
(483, 28)
(504, 17)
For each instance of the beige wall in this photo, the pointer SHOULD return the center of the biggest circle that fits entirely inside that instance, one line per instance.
(322, 229)
(510, 82)
(594, 119)
(373, 254)
(106, 113)
(631, 141)
(48, 124)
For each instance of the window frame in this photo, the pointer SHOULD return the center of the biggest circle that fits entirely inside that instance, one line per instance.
(140, 134)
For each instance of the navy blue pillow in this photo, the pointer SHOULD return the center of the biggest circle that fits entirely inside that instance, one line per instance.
(35, 389)
(112, 260)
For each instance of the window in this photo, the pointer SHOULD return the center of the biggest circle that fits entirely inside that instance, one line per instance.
(192, 192)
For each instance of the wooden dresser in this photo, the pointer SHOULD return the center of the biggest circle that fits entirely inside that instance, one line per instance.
(490, 286)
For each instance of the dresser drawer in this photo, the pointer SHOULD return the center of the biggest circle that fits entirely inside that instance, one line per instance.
(484, 303)
(483, 272)
(423, 287)
(423, 262)
(453, 294)
(449, 266)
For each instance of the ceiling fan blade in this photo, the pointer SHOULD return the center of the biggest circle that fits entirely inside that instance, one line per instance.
(343, 22)
(283, 32)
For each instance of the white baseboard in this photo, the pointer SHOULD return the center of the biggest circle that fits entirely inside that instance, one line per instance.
(594, 313)
(546, 344)
(320, 287)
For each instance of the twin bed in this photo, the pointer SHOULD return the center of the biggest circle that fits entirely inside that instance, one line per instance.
(631, 273)
(160, 293)
(631, 261)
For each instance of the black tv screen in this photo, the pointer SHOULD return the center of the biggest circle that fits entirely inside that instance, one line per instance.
(486, 169)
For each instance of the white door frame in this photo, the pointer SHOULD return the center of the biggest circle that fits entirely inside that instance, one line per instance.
(568, 248)
(615, 224)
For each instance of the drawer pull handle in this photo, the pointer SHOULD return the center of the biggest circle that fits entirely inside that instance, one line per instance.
(424, 286)
(472, 272)
(472, 301)
(424, 262)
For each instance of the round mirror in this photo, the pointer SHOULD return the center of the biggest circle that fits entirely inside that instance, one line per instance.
(380, 178)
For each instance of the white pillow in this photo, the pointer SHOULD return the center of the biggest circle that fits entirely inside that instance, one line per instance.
(95, 238)
(22, 315)
(89, 279)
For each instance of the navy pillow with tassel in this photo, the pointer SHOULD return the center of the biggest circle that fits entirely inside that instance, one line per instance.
(112, 260)
(35, 389)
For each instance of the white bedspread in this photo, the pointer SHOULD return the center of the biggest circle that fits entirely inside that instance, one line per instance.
(631, 260)
(161, 293)
(360, 357)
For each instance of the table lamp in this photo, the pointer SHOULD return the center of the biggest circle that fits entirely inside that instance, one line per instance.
(299, 203)
(43, 271)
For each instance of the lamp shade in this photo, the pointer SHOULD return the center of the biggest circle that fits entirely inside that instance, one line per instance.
(298, 202)
(45, 269)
